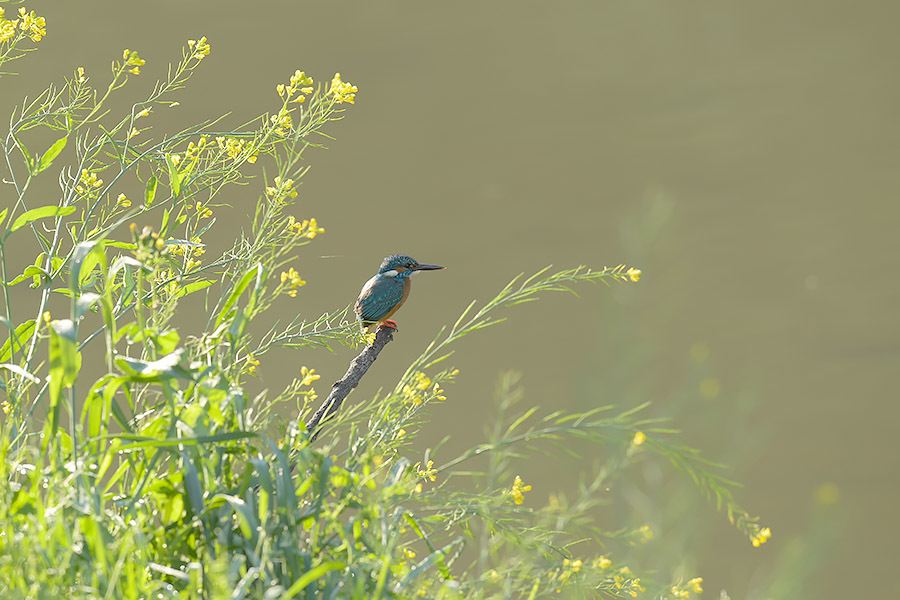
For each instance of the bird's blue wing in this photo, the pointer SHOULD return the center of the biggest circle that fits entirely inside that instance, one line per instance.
(378, 297)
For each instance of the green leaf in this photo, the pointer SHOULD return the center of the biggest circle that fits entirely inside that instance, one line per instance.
(141, 370)
(24, 152)
(20, 371)
(41, 213)
(167, 342)
(191, 288)
(51, 153)
(84, 303)
(150, 191)
(235, 294)
(82, 251)
(65, 362)
(3, 215)
(310, 576)
(19, 338)
(31, 271)
(175, 176)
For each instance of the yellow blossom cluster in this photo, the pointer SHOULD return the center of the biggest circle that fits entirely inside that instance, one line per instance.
(292, 278)
(306, 228)
(517, 492)
(5, 406)
(761, 537)
(88, 182)
(572, 565)
(409, 554)
(148, 244)
(193, 150)
(283, 188)
(308, 376)
(429, 473)
(695, 585)
(631, 274)
(123, 201)
(342, 91)
(624, 582)
(132, 60)
(420, 389)
(283, 122)
(28, 23)
(601, 562)
(7, 27)
(646, 533)
(183, 250)
(199, 48)
(235, 148)
(251, 364)
(300, 82)
(639, 438)
(203, 211)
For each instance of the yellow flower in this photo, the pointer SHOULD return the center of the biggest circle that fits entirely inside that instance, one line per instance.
(7, 28)
(81, 78)
(342, 91)
(308, 375)
(313, 229)
(203, 212)
(400, 434)
(634, 274)
(696, 585)
(572, 565)
(429, 473)
(602, 562)
(646, 532)
(409, 554)
(761, 537)
(282, 188)
(199, 48)
(639, 438)
(293, 279)
(6, 406)
(306, 228)
(282, 122)
(252, 363)
(517, 493)
(123, 201)
(133, 132)
(34, 25)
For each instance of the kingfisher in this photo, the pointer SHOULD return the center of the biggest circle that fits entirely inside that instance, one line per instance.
(386, 292)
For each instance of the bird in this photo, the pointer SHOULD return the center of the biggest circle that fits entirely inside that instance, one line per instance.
(386, 292)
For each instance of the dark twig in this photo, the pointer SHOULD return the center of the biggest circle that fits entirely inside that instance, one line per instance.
(351, 379)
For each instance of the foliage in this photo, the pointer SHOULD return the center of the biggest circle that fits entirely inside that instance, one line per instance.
(162, 477)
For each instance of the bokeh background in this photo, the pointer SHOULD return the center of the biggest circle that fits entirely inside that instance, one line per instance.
(744, 155)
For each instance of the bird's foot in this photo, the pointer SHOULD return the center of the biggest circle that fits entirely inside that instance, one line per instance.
(389, 324)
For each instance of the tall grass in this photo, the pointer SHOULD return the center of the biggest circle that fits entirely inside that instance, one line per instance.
(162, 477)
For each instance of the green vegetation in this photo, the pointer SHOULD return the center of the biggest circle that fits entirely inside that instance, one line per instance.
(160, 477)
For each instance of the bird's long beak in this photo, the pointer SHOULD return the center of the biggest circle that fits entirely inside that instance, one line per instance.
(428, 268)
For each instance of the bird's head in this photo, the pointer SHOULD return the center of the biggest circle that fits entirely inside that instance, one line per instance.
(405, 266)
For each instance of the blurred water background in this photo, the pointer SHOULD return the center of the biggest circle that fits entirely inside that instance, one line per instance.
(743, 155)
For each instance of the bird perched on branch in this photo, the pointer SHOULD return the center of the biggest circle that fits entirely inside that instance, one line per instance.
(387, 290)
